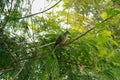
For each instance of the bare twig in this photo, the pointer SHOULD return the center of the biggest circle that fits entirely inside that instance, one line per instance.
(18, 72)
(25, 58)
(89, 30)
(6, 19)
(47, 44)
(41, 11)
(80, 36)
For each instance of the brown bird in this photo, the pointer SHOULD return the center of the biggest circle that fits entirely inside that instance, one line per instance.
(61, 39)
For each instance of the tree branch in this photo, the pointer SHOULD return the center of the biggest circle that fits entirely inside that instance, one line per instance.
(46, 44)
(7, 66)
(6, 19)
(88, 31)
(18, 72)
(40, 11)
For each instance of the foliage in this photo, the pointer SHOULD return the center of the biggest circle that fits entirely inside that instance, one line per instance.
(91, 53)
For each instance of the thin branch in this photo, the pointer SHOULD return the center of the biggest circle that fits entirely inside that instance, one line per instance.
(7, 67)
(40, 11)
(18, 72)
(25, 58)
(6, 19)
(47, 44)
(88, 30)
(80, 36)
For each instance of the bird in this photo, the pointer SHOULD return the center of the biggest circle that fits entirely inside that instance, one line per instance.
(61, 39)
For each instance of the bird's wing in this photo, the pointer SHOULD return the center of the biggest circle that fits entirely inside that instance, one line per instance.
(59, 39)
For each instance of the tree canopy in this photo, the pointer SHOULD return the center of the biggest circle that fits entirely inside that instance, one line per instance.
(92, 51)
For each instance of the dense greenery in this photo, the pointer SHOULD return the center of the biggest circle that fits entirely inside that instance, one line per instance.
(92, 51)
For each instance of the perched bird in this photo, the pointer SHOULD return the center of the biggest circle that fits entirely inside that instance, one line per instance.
(61, 39)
